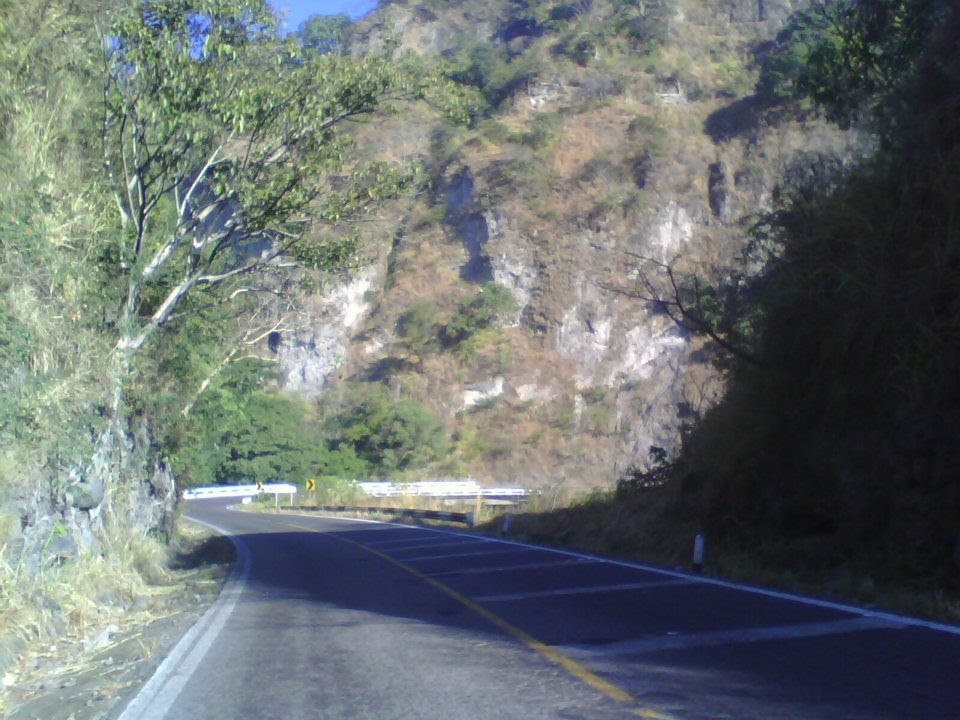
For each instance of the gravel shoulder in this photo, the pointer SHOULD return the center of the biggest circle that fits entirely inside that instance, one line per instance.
(92, 676)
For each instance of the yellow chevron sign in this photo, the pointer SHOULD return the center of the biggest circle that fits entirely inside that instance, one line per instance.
(311, 484)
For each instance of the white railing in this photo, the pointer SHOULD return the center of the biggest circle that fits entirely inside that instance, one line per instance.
(427, 488)
(438, 489)
(240, 491)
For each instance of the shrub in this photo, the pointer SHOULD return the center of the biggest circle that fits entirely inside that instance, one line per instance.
(419, 330)
(490, 305)
(579, 46)
(387, 435)
(636, 479)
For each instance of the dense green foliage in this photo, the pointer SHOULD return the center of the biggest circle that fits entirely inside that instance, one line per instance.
(220, 140)
(238, 432)
(157, 158)
(573, 31)
(492, 304)
(837, 447)
(324, 33)
(419, 329)
(53, 234)
(386, 434)
(486, 67)
(847, 55)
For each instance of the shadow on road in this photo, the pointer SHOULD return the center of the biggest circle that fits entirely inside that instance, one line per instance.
(866, 671)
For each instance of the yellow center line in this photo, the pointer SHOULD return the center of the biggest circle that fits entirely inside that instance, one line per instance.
(571, 666)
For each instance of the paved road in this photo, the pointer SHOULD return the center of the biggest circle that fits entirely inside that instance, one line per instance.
(346, 619)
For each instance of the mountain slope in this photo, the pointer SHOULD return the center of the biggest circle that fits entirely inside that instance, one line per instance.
(612, 134)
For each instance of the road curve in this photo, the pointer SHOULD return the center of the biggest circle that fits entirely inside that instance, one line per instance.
(334, 618)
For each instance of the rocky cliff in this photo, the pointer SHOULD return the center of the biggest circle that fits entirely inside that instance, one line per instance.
(81, 508)
(646, 145)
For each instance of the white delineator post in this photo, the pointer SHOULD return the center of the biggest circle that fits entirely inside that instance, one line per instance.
(698, 543)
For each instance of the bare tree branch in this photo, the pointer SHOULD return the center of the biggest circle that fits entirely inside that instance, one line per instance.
(687, 313)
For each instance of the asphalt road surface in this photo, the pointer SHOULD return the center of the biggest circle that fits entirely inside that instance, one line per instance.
(337, 618)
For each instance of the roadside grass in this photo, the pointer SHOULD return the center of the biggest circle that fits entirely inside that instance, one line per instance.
(68, 599)
(593, 521)
(196, 548)
(64, 614)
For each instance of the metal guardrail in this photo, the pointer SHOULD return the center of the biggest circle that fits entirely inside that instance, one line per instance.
(467, 518)
(431, 489)
(240, 490)
(438, 489)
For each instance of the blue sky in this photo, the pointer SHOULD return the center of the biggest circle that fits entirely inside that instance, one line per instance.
(296, 11)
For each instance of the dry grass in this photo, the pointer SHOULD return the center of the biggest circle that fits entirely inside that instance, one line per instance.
(90, 620)
(74, 597)
(136, 581)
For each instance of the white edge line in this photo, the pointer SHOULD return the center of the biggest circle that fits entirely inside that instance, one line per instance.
(158, 694)
(729, 584)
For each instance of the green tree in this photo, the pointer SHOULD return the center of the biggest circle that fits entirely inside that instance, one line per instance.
(418, 329)
(238, 431)
(220, 140)
(474, 62)
(846, 56)
(490, 305)
(324, 34)
(389, 435)
(269, 439)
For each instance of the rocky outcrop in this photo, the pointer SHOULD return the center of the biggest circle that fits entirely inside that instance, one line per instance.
(313, 352)
(585, 172)
(482, 392)
(122, 483)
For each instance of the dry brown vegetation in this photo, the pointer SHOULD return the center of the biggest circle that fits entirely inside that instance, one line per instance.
(86, 629)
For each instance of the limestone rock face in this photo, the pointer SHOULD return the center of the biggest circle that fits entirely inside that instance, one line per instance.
(577, 192)
(482, 392)
(315, 351)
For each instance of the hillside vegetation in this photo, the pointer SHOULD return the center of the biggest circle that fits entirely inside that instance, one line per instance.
(602, 133)
(838, 446)
(701, 259)
(813, 156)
(161, 164)
(831, 463)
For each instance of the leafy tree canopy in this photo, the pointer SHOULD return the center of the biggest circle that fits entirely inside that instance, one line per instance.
(221, 141)
(390, 436)
(847, 55)
(490, 305)
(324, 33)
